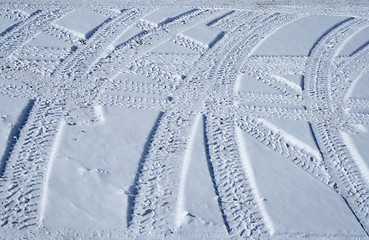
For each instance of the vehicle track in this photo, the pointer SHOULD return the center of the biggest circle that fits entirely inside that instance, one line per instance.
(26, 167)
(124, 56)
(244, 220)
(340, 165)
(267, 98)
(182, 92)
(85, 56)
(41, 19)
(155, 192)
(152, 217)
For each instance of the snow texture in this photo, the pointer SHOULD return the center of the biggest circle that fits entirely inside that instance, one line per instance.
(184, 120)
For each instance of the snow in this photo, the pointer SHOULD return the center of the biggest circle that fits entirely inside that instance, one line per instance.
(295, 132)
(44, 40)
(292, 200)
(81, 23)
(10, 119)
(93, 169)
(130, 32)
(164, 15)
(360, 87)
(184, 120)
(294, 81)
(355, 43)
(249, 84)
(169, 47)
(298, 37)
(197, 204)
(358, 146)
(6, 23)
(203, 35)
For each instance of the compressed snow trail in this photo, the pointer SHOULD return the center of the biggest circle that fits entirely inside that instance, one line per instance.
(195, 67)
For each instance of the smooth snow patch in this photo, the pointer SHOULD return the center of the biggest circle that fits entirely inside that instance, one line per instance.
(295, 132)
(293, 200)
(247, 83)
(165, 15)
(80, 22)
(298, 37)
(197, 203)
(93, 169)
(355, 43)
(359, 87)
(129, 33)
(202, 35)
(6, 23)
(44, 40)
(169, 47)
(294, 81)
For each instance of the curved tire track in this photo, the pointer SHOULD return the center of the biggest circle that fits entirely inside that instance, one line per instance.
(341, 166)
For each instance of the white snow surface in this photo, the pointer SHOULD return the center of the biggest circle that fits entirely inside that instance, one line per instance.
(202, 35)
(298, 37)
(81, 22)
(102, 178)
(6, 23)
(293, 201)
(184, 120)
(128, 34)
(163, 15)
(44, 40)
(10, 119)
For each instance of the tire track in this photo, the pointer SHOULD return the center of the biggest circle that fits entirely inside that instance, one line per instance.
(154, 207)
(276, 64)
(26, 166)
(238, 208)
(357, 103)
(134, 101)
(136, 183)
(341, 166)
(276, 142)
(255, 111)
(125, 55)
(35, 23)
(236, 200)
(78, 65)
(16, 16)
(267, 98)
(156, 195)
(14, 135)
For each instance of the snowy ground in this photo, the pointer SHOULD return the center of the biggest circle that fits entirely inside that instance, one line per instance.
(184, 121)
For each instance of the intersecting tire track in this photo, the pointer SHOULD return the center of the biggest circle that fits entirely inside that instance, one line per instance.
(341, 166)
(244, 219)
(72, 66)
(123, 56)
(251, 222)
(154, 195)
(26, 30)
(148, 218)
